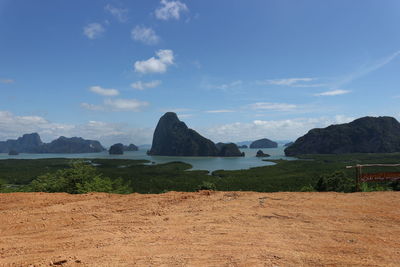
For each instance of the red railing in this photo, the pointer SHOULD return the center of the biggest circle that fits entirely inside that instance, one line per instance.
(362, 177)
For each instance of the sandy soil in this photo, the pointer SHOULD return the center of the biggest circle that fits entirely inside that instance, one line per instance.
(200, 229)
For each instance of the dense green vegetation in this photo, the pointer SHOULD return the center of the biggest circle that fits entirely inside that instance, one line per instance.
(309, 173)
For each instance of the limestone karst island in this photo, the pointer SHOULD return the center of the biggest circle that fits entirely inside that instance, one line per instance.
(199, 133)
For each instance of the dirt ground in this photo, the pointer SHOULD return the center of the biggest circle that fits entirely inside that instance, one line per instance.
(200, 229)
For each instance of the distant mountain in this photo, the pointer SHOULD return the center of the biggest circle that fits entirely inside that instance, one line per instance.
(31, 143)
(173, 138)
(228, 150)
(247, 143)
(263, 143)
(116, 149)
(64, 145)
(131, 147)
(28, 143)
(364, 135)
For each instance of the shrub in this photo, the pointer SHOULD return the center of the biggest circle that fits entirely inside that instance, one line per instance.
(307, 188)
(206, 186)
(79, 178)
(337, 181)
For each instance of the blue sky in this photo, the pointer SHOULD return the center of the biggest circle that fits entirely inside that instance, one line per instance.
(233, 70)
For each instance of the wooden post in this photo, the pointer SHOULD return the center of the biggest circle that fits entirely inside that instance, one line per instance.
(358, 175)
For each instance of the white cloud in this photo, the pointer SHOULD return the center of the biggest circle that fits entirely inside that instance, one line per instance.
(170, 10)
(333, 93)
(286, 82)
(272, 106)
(145, 35)
(107, 133)
(103, 91)
(119, 104)
(120, 13)
(157, 64)
(144, 85)
(93, 30)
(125, 104)
(91, 107)
(365, 70)
(14, 126)
(7, 81)
(273, 129)
(182, 116)
(219, 111)
(226, 86)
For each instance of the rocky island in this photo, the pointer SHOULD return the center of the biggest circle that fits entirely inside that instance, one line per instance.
(116, 149)
(263, 143)
(229, 150)
(173, 138)
(261, 154)
(31, 143)
(364, 135)
(131, 147)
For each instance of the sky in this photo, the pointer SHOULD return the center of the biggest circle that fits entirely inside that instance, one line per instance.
(233, 70)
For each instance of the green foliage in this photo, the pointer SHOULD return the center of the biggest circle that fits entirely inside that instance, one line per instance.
(307, 188)
(337, 181)
(207, 186)
(79, 178)
(365, 187)
(127, 176)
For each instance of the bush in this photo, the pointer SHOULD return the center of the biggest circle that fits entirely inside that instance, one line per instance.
(206, 186)
(307, 188)
(337, 181)
(79, 178)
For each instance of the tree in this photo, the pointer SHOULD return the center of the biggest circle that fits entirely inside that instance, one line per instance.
(79, 178)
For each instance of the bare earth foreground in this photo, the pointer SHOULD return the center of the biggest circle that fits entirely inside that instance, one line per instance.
(200, 229)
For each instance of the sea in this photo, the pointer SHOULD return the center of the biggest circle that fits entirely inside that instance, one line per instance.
(198, 163)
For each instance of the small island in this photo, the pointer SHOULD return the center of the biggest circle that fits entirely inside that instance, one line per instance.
(363, 135)
(131, 147)
(116, 149)
(31, 143)
(261, 154)
(264, 143)
(13, 152)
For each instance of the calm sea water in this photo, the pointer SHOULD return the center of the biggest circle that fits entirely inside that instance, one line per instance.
(198, 163)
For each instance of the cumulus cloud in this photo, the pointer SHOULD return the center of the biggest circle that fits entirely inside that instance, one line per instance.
(14, 126)
(7, 81)
(272, 106)
(145, 35)
(170, 10)
(93, 30)
(158, 64)
(144, 85)
(120, 14)
(91, 107)
(125, 104)
(333, 93)
(103, 91)
(182, 116)
(273, 129)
